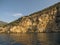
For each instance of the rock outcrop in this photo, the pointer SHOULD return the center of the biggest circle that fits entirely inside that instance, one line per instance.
(1, 26)
(47, 20)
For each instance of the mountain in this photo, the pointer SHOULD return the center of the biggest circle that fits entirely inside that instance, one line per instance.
(2, 23)
(46, 20)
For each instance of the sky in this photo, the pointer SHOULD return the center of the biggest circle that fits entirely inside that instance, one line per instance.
(11, 10)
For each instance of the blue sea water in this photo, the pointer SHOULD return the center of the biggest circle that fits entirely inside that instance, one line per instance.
(30, 39)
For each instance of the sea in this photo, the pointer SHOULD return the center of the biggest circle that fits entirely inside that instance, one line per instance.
(30, 39)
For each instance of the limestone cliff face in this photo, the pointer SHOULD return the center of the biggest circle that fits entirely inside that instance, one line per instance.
(1, 26)
(46, 20)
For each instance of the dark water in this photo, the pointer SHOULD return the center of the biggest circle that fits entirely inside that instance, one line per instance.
(30, 39)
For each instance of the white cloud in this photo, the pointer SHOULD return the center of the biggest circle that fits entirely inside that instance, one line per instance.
(18, 15)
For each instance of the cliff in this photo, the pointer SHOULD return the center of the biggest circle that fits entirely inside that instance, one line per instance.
(1, 26)
(47, 20)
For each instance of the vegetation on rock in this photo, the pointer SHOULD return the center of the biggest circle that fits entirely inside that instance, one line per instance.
(46, 20)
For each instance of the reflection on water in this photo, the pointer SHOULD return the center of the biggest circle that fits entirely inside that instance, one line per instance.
(30, 39)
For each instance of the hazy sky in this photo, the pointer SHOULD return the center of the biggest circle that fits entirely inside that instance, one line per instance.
(13, 9)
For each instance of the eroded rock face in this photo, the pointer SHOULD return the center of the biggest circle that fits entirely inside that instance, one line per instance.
(42, 21)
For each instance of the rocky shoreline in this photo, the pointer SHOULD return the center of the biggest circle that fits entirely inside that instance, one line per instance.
(46, 20)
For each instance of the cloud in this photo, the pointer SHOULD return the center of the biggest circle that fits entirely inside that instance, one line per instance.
(18, 15)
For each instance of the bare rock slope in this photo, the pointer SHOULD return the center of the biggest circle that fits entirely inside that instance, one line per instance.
(47, 20)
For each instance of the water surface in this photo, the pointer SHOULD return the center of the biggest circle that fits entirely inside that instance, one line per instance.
(30, 39)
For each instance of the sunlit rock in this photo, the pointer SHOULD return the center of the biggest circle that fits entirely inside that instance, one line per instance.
(47, 20)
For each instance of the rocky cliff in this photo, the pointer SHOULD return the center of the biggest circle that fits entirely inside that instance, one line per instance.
(47, 20)
(1, 26)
